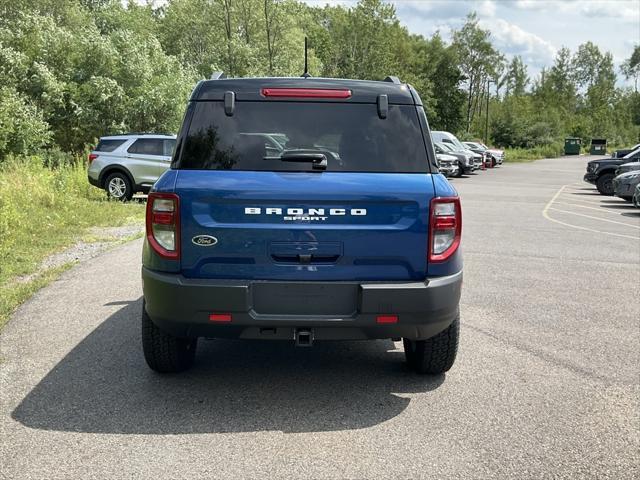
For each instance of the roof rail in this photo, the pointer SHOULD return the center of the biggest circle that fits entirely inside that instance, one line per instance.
(138, 133)
(392, 79)
(218, 76)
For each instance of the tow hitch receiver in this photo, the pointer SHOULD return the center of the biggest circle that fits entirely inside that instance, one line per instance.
(303, 337)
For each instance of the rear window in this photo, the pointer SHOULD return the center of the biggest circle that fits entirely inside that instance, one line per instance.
(351, 136)
(109, 145)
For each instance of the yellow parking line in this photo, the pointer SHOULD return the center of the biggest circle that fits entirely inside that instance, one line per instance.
(545, 214)
(595, 218)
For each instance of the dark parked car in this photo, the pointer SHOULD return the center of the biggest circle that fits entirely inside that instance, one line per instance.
(465, 159)
(624, 185)
(602, 172)
(625, 151)
(627, 167)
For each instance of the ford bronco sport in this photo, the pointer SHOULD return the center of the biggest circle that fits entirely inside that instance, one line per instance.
(306, 210)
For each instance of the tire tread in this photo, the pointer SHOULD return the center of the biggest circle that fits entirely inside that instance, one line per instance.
(437, 354)
(163, 352)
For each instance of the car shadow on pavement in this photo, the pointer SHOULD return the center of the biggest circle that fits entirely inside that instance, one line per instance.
(104, 386)
(631, 213)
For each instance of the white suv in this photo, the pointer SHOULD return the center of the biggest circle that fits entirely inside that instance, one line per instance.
(125, 164)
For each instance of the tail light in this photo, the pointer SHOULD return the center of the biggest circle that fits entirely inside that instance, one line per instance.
(163, 224)
(92, 157)
(445, 228)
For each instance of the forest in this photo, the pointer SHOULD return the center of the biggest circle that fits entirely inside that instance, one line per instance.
(74, 70)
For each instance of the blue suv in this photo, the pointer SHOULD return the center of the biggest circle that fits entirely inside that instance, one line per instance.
(302, 209)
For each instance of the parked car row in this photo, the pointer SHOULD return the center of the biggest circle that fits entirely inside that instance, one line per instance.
(456, 158)
(619, 176)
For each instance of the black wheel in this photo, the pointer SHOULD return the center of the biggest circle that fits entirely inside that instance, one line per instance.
(605, 184)
(493, 162)
(118, 186)
(163, 352)
(434, 355)
(460, 172)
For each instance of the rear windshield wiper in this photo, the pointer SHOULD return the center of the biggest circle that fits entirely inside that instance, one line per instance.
(317, 159)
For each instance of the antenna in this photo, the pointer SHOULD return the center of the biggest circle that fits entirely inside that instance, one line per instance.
(306, 73)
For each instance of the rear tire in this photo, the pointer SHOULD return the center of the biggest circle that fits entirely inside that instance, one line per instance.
(118, 187)
(604, 184)
(434, 355)
(163, 352)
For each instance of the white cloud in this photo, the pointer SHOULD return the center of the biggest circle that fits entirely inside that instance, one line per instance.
(627, 11)
(513, 40)
(486, 8)
(445, 9)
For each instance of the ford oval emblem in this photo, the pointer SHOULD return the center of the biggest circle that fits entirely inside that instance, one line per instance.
(204, 240)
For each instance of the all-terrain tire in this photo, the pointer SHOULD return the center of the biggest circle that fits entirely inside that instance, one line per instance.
(163, 352)
(434, 355)
(604, 184)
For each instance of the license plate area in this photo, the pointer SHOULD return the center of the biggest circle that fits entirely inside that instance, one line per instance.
(304, 299)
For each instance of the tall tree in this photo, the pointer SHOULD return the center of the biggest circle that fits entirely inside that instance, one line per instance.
(517, 77)
(631, 67)
(477, 57)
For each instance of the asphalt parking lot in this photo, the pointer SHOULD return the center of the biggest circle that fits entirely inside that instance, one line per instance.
(547, 382)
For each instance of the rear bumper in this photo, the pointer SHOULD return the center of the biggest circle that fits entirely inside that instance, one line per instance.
(94, 181)
(275, 310)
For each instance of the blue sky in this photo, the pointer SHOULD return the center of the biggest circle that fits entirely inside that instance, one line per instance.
(534, 29)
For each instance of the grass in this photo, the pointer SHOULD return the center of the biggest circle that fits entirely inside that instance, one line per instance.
(536, 153)
(42, 211)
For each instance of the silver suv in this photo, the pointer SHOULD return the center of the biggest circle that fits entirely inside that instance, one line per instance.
(126, 164)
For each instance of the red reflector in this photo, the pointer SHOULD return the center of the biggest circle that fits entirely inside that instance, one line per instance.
(92, 157)
(162, 218)
(305, 93)
(387, 319)
(445, 223)
(220, 317)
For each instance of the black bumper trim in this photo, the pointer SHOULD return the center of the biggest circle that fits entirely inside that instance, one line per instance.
(590, 177)
(335, 310)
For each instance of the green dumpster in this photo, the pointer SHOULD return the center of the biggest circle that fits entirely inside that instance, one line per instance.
(598, 146)
(572, 146)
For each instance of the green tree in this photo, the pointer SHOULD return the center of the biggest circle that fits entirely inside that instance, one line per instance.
(476, 57)
(22, 128)
(517, 78)
(631, 67)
